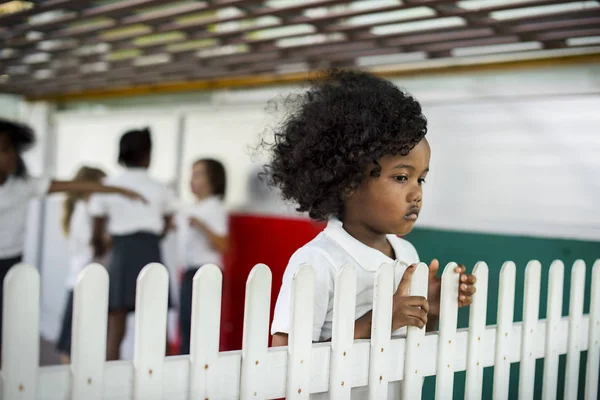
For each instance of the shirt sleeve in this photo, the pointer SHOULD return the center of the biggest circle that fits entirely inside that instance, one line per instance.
(216, 219)
(170, 204)
(323, 292)
(39, 186)
(97, 206)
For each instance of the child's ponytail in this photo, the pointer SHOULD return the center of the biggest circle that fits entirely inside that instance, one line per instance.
(84, 174)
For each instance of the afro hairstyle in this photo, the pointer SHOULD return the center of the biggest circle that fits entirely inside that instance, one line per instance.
(346, 121)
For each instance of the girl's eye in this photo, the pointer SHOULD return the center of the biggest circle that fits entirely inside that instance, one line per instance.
(401, 178)
(421, 181)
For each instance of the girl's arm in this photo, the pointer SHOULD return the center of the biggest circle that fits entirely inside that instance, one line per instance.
(98, 237)
(91, 187)
(362, 330)
(218, 242)
(168, 223)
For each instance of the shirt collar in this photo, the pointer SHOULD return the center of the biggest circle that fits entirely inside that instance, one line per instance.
(366, 257)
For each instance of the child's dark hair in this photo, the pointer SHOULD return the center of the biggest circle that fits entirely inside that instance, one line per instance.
(346, 121)
(216, 175)
(135, 147)
(21, 136)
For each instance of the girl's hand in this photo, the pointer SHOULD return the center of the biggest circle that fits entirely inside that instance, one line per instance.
(133, 195)
(465, 292)
(196, 223)
(408, 310)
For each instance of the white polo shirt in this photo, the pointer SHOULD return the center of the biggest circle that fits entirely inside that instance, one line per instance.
(15, 195)
(327, 254)
(196, 250)
(78, 243)
(127, 216)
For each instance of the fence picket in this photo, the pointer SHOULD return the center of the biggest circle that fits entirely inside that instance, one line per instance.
(593, 361)
(413, 379)
(553, 318)
(255, 341)
(506, 304)
(20, 336)
(300, 337)
(447, 334)
(342, 340)
(88, 349)
(151, 304)
(205, 330)
(381, 332)
(575, 317)
(477, 320)
(531, 305)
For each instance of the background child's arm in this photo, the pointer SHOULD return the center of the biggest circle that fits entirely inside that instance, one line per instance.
(218, 242)
(91, 187)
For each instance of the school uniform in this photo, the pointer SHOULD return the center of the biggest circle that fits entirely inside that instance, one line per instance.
(135, 229)
(197, 251)
(15, 195)
(81, 254)
(327, 254)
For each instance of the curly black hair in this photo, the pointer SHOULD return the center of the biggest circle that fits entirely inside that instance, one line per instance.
(21, 136)
(345, 122)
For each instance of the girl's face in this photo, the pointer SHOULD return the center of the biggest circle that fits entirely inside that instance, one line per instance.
(391, 202)
(8, 155)
(200, 184)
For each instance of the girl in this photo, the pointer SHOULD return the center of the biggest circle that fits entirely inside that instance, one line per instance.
(136, 230)
(17, 187)
(353, 152)
(205, 240)
(77, 226)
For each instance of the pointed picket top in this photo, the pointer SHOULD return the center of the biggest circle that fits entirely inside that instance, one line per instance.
(531, 305)
(413, 377)
(344, 309)
(553, 318)
(447, 334)
(300, 337)
(506, 304)
(575, 323)
(381, 332)
(255, 340)
(205, 332)
(20, 335)
(477, 323)
(593, 361)
(151, 307)
(88, 349)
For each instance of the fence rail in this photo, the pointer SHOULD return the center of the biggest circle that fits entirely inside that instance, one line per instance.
(303, 368)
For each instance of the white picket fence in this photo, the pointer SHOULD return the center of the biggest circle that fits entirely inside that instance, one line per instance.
(304, 367)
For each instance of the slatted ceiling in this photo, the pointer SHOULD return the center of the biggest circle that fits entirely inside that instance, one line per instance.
(62, 45)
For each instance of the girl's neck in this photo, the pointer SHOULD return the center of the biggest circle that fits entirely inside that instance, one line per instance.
(202, 197)
(369, 237)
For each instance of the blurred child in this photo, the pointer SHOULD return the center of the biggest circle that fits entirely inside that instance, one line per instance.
(77, 226)
(136, 229)
(17, 187)
(205, 239)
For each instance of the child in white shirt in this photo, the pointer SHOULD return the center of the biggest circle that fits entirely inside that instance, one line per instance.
(136, 230)
(204, 235)
(77, 226)
(353, 152)
(17, 188)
